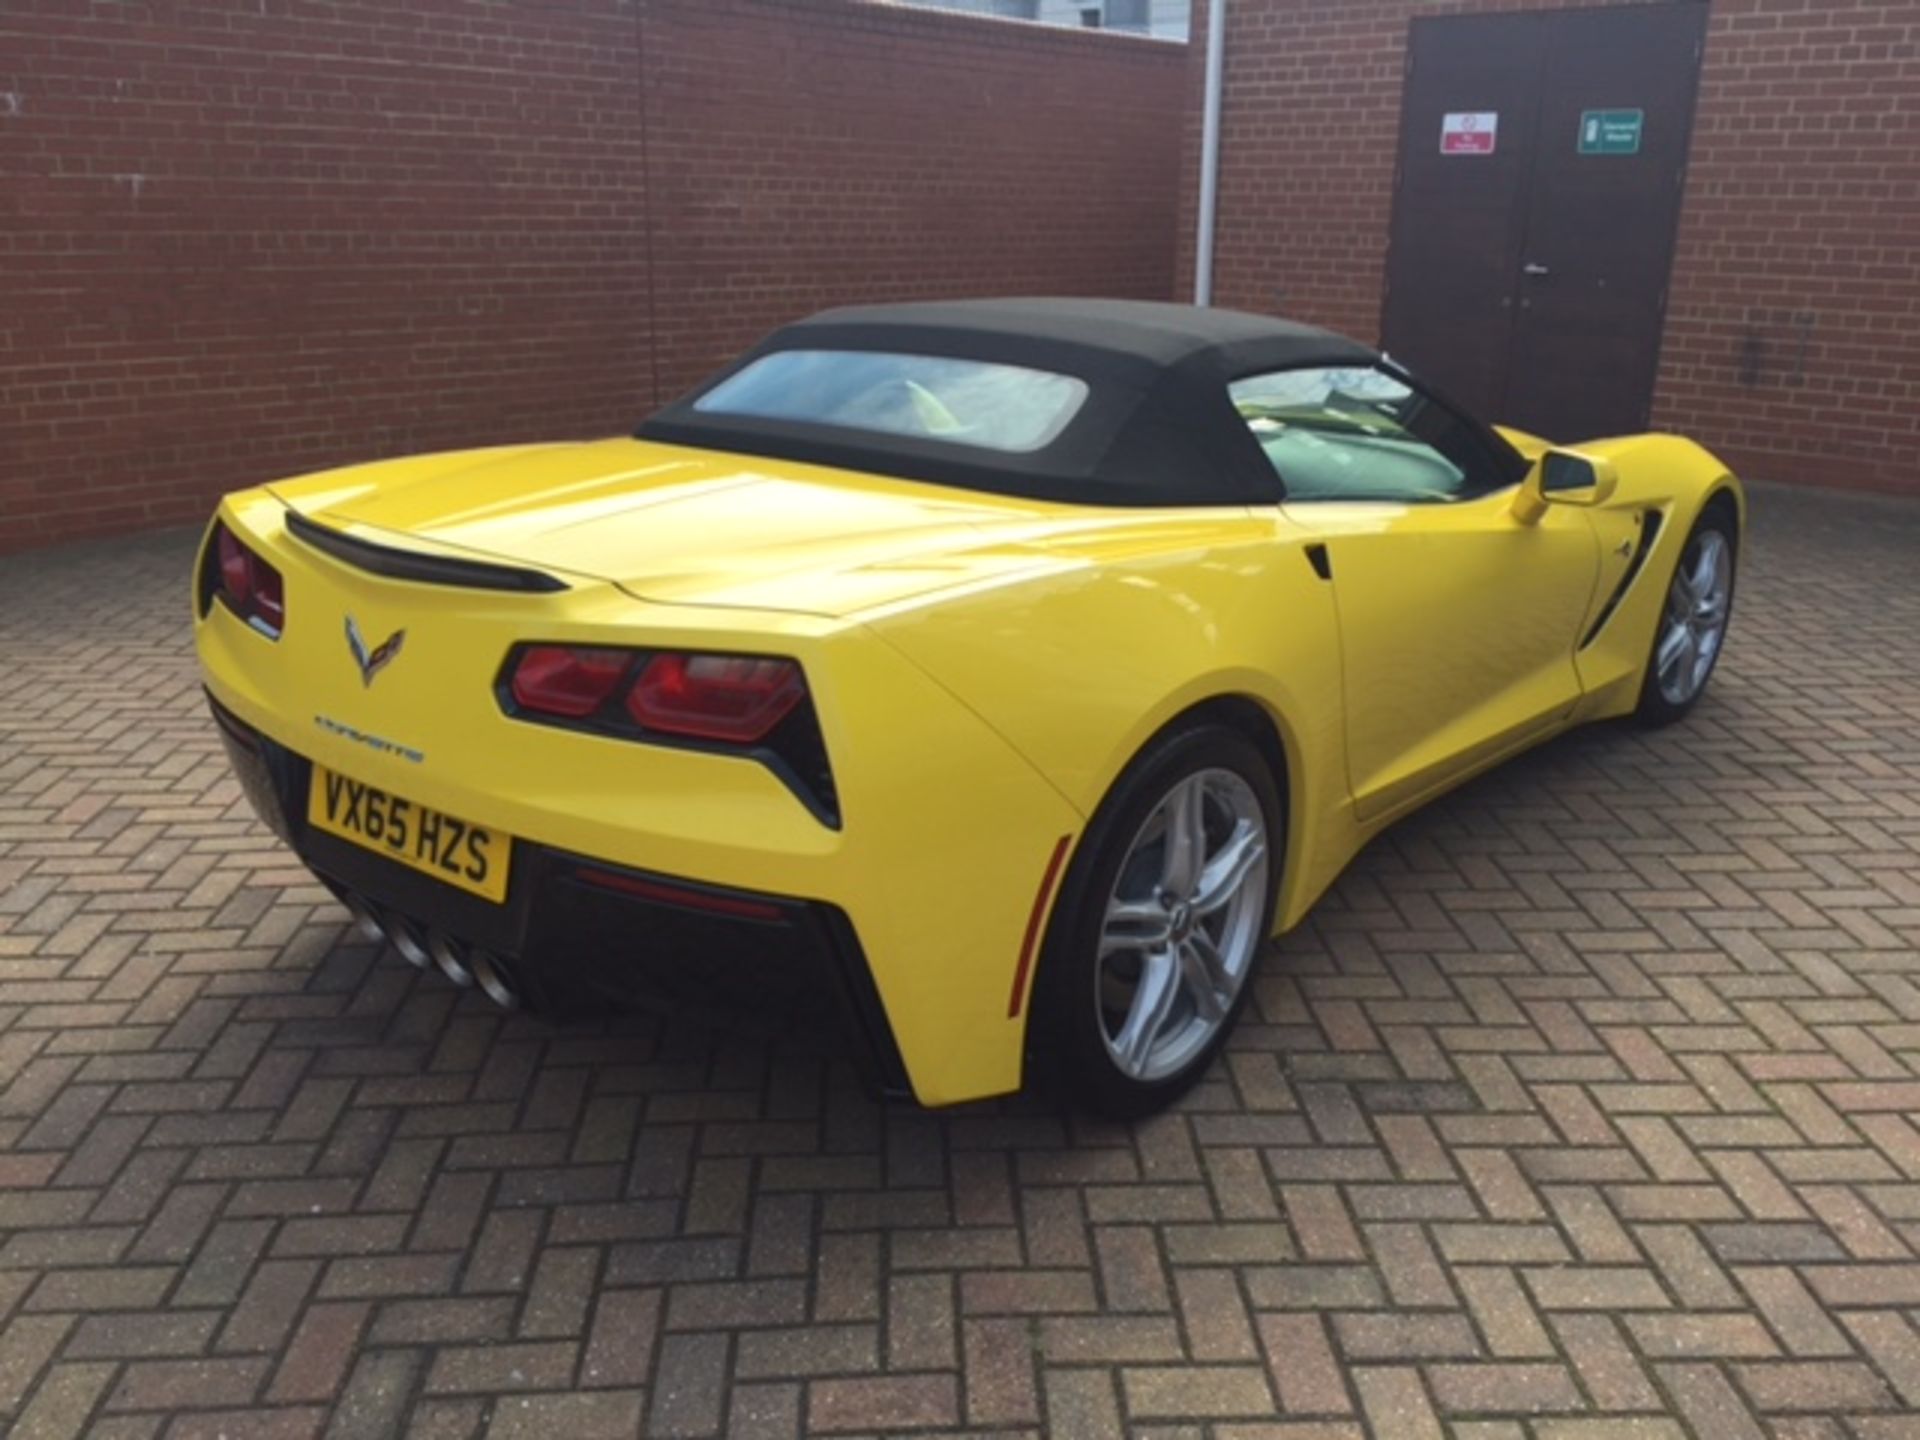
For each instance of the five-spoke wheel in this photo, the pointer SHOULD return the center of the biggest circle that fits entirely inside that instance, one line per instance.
(1182, 924)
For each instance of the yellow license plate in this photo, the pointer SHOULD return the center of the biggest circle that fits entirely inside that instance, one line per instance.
(459, 852)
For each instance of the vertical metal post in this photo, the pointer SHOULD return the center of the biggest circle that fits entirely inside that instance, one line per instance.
(1210, 151)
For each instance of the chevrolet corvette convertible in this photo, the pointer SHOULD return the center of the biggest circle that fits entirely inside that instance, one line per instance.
(999, 673)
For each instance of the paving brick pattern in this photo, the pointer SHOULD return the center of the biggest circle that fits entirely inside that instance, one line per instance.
(1584, 1108)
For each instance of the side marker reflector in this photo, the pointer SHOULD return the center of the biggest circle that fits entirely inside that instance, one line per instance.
(1018, 999)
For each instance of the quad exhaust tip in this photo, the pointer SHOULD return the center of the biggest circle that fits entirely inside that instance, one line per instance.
(495, 980)
(466, 966)
(440, 946)
(366, 925)
(411, 944)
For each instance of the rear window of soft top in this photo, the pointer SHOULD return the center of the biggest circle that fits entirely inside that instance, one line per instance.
(1008, 408)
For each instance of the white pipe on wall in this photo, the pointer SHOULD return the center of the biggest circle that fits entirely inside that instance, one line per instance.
(1210, 151)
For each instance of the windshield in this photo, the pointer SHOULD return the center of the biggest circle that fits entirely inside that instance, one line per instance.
(1008, 408)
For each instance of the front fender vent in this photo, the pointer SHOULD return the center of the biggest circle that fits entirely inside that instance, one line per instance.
(394, 563)
(1649, 532)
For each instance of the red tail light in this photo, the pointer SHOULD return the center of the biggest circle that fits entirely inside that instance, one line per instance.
(245, 583)
(758, 704)
(737, 699)
(568, 681)
(732, 699)
(236, 567)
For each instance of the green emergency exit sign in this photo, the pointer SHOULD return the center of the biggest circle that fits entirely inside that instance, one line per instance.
(1612, 132)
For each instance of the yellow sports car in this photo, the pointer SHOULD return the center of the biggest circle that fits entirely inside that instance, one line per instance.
(1002, 672)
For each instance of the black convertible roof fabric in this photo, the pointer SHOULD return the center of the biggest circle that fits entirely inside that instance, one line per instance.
(1157, 428)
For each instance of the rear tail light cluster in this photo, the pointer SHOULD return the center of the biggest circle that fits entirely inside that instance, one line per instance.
(757, 704)
(243, 582)
(566, 682)
(729, 699)
(733, 699)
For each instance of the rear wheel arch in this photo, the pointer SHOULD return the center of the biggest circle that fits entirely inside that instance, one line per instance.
(1068, 1039)
(1254, 720)
(1252, 717)
(1251, 726)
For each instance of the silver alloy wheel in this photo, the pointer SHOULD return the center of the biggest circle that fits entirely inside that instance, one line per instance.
(1182, 927)
(1696, 619)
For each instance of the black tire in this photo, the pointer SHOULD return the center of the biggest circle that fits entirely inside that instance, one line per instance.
(1070, 1044)
(1656, 707)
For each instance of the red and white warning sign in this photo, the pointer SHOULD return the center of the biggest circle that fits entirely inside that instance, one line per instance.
(1472, 132)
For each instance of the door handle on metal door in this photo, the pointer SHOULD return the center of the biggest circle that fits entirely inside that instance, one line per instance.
(1536, 269)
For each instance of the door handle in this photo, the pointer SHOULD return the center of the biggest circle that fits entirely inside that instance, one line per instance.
(1536, 269)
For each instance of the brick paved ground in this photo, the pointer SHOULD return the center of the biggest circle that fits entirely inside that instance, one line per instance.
(1585, 1107)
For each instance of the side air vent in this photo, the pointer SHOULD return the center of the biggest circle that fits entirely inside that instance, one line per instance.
(1649, 532)
(398, 564)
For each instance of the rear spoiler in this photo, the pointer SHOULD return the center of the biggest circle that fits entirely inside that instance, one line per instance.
(397, 564)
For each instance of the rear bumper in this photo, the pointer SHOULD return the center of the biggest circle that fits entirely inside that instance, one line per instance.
(580, 924)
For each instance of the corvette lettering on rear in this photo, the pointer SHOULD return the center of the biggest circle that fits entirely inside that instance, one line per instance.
(372, 742)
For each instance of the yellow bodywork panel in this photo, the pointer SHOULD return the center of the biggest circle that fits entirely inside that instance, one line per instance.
(983, 668)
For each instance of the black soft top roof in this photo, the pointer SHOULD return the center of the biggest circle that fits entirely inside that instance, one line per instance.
(1157, 427)
(1142, 337)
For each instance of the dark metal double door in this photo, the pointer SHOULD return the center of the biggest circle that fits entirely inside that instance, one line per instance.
(1528, 271)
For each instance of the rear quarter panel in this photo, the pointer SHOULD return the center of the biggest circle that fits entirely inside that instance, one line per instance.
(1079, 669)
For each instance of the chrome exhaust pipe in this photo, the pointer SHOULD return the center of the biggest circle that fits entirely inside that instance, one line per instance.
(441, 948)
(366, 925)
(405, 936)
(493, 977)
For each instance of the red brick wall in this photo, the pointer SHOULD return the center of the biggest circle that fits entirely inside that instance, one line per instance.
(898, 153)
(240, 240)
(1801, 223)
